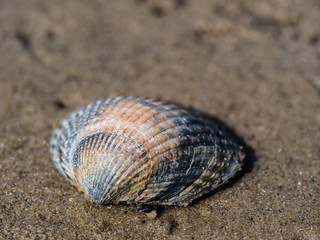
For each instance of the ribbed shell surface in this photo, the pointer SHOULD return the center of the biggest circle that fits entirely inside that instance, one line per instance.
(135, 150)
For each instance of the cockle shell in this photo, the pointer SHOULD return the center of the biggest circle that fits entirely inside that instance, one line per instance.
(140, 151)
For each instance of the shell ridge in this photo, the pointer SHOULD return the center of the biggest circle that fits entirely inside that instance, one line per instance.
(107, 175)
(109, 124)
(79, 119)
(176, 180)
(214, 182)
(185, 141)
(111, 162)
(89, 128)
(143, 122)
(62, 152)
(124, 169)
(125, 105)
(95, 116)
(158, 125)
(163, 194)
(192, 161)
(90, 176)
(137, 103)
(98, 159)
(109, 109)
(160, 112)
(138, 116)
(141, 129)
(64, 136)
(55, 150)
(117, 163)
(111, 166)
(114, 151)
(178, 129)
(122, 126)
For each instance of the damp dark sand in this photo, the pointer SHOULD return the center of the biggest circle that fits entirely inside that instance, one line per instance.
(253, 64)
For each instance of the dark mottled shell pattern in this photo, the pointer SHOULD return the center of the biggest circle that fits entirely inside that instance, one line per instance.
(136, 150)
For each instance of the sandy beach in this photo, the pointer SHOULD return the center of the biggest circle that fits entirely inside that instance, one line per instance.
(255, 65)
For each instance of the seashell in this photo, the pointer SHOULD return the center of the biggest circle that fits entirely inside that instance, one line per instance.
(139, 151)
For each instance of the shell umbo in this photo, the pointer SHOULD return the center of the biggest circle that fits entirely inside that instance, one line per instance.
(140, 151)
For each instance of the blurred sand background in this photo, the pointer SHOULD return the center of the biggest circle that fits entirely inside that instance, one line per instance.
(253, 64)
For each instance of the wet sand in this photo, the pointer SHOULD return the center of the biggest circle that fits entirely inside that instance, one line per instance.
(255, 65)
